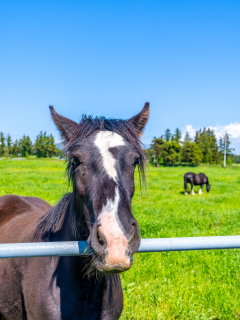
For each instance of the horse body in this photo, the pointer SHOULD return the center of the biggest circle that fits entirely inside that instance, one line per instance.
(196, 180)
(19, 216)
(102, 155)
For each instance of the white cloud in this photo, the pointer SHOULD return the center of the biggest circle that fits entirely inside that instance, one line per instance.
(190, 129)
(233, 129)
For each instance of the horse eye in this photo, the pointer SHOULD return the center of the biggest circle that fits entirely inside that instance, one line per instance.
(76, 161)
(136, 162)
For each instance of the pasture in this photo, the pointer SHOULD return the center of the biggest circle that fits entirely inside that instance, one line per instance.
(173, 285)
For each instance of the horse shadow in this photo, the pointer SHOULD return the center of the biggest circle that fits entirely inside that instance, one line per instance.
(189, 192)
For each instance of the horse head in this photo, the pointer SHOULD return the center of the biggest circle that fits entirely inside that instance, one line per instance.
(102, 156)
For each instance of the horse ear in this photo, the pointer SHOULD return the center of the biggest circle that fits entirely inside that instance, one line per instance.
(140, 120)
(66, 126)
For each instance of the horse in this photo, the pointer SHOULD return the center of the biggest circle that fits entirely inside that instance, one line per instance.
(196, 180)
(102, 155)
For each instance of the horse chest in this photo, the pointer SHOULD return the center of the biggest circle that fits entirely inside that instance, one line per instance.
(65, 300)
(63, 304)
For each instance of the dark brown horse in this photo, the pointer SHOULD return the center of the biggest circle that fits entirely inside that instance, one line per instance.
(102, 156)
(194, 179)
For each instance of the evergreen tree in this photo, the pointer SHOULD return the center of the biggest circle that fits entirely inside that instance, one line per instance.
(2, 144)
(156, 150)
(171, 152)
(167, 135)
(187, 138)
(207, 142)
(191, 153)
(25, 146)
(53, 148)
(39, 146)
(197, 138)
(9, 143)
(50, 146)
(177, 135)
(15, 148)
(45, 145)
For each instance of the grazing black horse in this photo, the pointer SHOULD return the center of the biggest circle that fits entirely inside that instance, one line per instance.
(102, 156)
(196, 180)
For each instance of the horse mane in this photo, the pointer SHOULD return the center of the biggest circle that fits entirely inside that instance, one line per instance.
(48, 224)
(87, 126)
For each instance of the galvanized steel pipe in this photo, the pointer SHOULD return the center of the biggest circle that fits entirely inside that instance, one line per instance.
(189, 243)
(43, 249)
(74, 248)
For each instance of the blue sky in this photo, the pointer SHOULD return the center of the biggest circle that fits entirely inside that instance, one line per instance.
(109, 57)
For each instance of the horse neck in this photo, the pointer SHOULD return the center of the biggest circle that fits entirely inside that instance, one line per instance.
(73, 226)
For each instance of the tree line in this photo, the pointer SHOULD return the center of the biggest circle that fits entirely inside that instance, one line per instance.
(170, 149)
(44, 146)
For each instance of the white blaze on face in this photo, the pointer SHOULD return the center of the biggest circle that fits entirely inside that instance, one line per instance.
(105, 140)
(110, 226)
(116, 241)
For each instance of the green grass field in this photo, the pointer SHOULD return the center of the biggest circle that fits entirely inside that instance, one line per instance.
(174, 285)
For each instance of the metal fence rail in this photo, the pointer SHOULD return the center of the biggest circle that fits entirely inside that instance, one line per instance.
(73, 248)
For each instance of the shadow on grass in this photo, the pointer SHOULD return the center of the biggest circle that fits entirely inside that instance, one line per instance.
(182, 192)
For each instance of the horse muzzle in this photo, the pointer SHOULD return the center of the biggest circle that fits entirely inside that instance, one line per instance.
(113, 248)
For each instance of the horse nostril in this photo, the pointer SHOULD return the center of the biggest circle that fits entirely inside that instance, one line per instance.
(134, 230)
(100, 238)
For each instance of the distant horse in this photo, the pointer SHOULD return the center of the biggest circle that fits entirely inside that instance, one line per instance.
(196, 180)
(102, 156)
